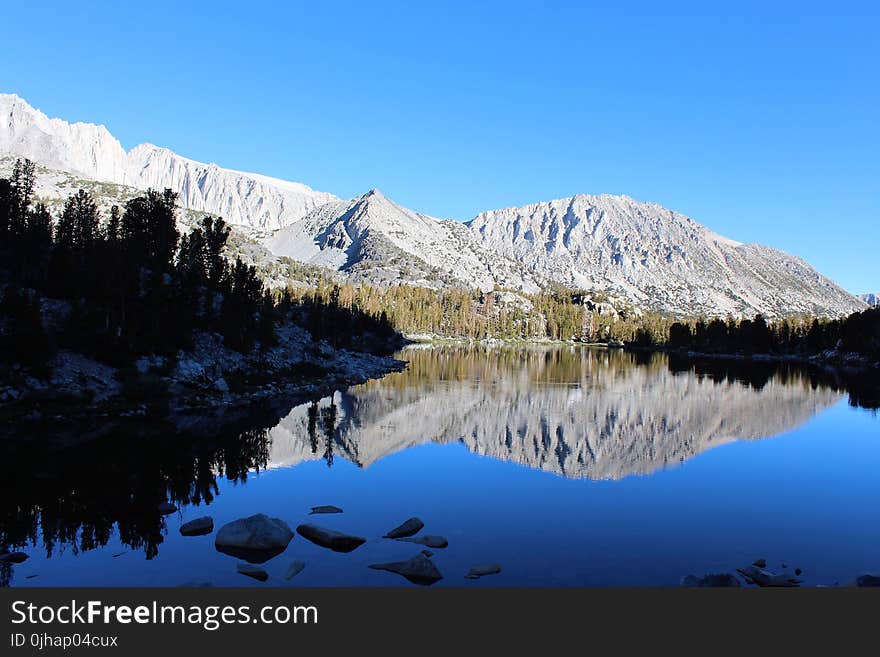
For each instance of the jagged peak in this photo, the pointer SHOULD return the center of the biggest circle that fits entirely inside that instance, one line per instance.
(10, 101)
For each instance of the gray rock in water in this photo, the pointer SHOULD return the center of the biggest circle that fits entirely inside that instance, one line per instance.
(325, 508)
(760, 563)
(482, 570)
(165, 508)
(428, 541)
(294, 569)
(407, 528)
(713, 580)
(336, 541)
(428, 553)
(252, 571)
(255, 539)
(418, 570)
(761, 577)
(13, 557)
(198, 527)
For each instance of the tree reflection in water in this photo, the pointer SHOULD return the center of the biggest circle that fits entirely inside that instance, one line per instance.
(66, 488)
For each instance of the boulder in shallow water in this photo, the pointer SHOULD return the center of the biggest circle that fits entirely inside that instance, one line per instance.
(712, 579)
(407, 528)
(482, 570)
(252, 571)
(336, 541)
(761, 577)
(255, 539)
(325, 508)
(418, 570)
(13, 557)
(165, 508)
(294, 569)
(198, 527)
(428, 541)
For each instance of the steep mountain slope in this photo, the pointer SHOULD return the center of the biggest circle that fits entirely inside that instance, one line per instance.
(374, 239)
(656, 258)
(91, 151)
(871, 299)
(650, 256)
(81, 148)
(53, 187)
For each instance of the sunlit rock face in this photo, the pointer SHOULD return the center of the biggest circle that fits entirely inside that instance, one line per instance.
(577, 413)
(371, 238)
(645, 254)
(656, 258)
(90, 151)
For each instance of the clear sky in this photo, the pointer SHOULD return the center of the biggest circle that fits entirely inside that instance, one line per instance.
(760, 120)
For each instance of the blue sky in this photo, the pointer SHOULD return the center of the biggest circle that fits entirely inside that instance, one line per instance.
(760, 120)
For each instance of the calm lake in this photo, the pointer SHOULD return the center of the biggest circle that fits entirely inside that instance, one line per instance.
(565, 466)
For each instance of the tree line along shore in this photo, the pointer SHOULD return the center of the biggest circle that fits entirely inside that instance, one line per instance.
(131, 284)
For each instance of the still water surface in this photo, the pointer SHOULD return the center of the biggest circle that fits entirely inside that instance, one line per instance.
(566, 466)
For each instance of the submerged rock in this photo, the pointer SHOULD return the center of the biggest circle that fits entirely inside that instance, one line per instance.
(325, 508)
(13, 557)
(712, 579)
(255, 539)
(418, 570)
(252, 571)
(761, 577)
(428, 541)
(198, 527)
(166, 508)
(760, 563)
(407, 528)
(482, 570)
(336, 541)
(294, 569)
(866, 580)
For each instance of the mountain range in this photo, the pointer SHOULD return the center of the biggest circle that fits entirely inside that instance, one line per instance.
(647, 255)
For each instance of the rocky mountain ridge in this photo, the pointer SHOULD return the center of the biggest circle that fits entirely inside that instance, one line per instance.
(89, 150)
(650, 256)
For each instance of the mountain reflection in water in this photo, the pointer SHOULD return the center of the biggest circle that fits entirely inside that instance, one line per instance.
(576, 412)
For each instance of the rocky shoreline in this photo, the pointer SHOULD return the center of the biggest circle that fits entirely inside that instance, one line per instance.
(207, 377)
